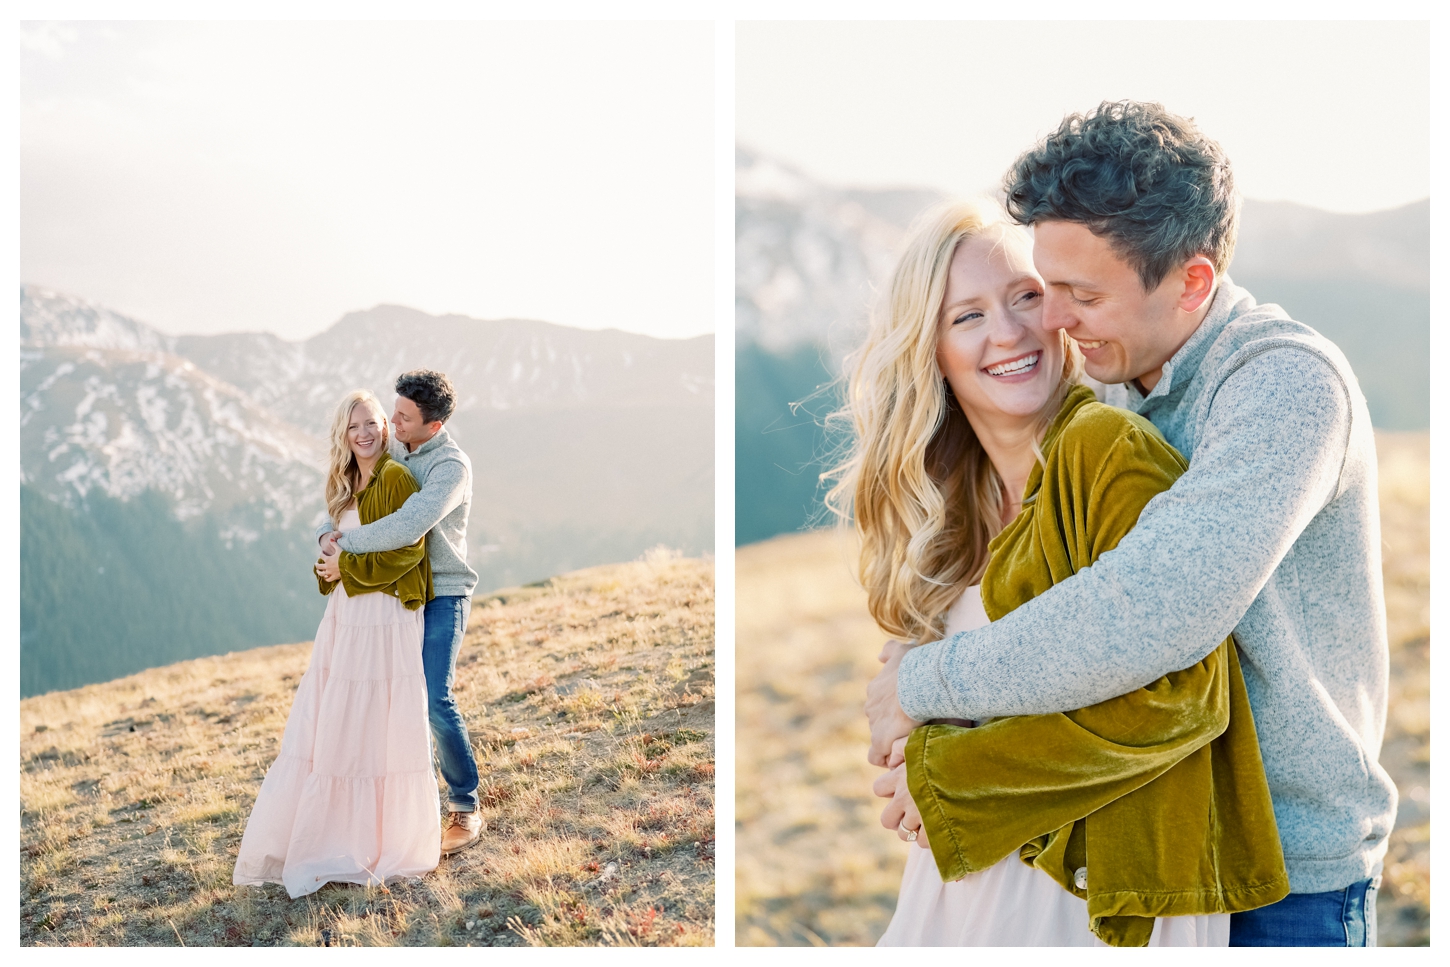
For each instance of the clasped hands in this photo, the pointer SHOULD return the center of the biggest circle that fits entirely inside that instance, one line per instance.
(890, 727)
(329, 568)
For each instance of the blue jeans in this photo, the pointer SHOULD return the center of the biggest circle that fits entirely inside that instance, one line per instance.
(444, 619)
(1340, 918)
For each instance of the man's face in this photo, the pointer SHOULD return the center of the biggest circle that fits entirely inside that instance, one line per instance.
(408, 424)
(1098, 299)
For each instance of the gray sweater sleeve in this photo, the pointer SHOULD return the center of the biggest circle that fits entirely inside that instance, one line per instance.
(1268, 458)
(441, 492)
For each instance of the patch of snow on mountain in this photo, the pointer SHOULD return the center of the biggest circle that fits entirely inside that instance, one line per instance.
(50, 318)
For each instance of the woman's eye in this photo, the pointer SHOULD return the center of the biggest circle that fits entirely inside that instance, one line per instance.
(1029, 295)
(968, 317)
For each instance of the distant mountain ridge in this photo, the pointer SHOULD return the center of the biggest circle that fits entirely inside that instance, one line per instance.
(1285, 240)
(506, 364)
(49, 318)
(807, 255)
(811, 258)
(587, 447)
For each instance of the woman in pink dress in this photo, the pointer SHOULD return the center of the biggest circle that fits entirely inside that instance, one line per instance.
(352, 797)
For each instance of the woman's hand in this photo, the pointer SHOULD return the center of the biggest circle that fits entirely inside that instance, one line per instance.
(901, 813)
(329, 568)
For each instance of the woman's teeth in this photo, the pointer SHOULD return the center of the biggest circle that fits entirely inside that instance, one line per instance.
(1014, 366)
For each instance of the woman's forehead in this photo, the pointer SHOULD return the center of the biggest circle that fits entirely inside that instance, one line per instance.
(985, 255)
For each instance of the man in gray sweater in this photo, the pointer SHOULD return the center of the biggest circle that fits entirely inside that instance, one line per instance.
(440, 510)
(1272, 534)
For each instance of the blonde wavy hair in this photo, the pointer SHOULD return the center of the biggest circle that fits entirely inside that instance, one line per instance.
(343, 479)
(925, 497)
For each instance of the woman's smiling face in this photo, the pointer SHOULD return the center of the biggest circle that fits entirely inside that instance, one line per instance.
(365, 430)
(1001, 364)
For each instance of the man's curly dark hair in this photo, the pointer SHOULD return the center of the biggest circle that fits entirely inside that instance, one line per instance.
(1143, 178)
(432, 392)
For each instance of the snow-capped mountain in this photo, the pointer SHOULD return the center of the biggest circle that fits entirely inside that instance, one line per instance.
(218, 423)
(123, 422)
(499, 365)
(808, 255)
(105, 404)
(50, 318)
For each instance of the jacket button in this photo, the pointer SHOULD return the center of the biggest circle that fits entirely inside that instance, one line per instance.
(1079, 878)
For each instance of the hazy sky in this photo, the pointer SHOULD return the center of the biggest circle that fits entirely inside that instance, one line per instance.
(1330, 114)
(207, 177)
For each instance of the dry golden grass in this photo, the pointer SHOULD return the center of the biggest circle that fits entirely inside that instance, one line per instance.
(813, 864)
(590, 701)
(1404, 905)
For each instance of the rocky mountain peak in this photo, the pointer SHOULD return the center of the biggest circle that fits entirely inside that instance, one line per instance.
(50, 318)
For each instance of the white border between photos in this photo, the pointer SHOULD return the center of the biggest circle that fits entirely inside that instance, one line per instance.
(725, 483)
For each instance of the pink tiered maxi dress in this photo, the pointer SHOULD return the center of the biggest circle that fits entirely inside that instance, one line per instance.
(351, 797)
(1010, 904)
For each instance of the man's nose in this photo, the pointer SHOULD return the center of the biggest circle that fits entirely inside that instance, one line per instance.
(1056, 313)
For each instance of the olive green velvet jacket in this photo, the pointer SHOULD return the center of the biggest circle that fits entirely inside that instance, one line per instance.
(1147, 805)
(403, 573)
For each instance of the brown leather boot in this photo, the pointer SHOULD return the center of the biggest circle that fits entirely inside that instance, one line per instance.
(462, 831)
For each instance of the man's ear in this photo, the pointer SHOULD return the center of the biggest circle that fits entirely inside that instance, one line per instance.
(1198, 282)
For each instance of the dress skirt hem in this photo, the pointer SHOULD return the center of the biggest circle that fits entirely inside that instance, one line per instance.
(352, 796)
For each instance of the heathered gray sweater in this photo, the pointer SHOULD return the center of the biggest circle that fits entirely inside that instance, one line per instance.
(439, 509)
(1273, 534)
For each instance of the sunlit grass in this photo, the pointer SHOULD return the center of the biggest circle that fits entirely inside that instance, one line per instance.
(134, 793)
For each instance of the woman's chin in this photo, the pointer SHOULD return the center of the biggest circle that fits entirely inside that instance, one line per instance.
(1017, 401)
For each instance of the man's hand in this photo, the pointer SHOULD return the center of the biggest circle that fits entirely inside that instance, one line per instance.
(898, 753)
(900, 814)
(883, 711)
(329, 568)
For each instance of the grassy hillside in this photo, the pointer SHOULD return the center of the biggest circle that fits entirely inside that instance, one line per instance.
(815, 867)
(590, 702)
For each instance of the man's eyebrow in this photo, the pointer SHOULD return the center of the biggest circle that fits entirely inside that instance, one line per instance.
(1073, 283)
